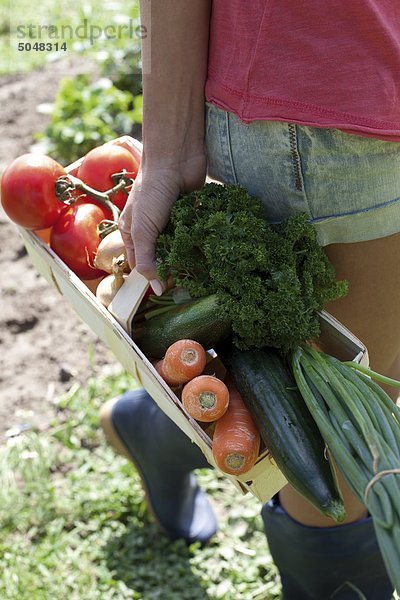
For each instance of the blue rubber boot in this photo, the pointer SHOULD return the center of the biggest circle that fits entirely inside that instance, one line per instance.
(164, 457)
(320, 563)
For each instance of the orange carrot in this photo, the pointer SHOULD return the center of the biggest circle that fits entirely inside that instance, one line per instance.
(184, 360)
(205, 398)
(236, 441)
(159, 367)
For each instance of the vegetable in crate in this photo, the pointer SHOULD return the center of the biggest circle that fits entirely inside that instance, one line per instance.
(184, 360)
(111, 247)
(112, 283)
(28, 191)
(270, 280)
(205, 398)
(361, 426)
(75, 237)
(199, 320)
(285, 425)
(236, 440)
(158, 365)
(101, 166)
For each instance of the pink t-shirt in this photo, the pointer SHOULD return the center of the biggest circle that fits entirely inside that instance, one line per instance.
(325, 63)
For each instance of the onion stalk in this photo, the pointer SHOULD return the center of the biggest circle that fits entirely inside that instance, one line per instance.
(361, 427)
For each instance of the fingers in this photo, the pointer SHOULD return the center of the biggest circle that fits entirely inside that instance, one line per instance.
(142, 220)
(145, 262)
(124, 225)
(145, 233)
(128, 243)
(149, 219)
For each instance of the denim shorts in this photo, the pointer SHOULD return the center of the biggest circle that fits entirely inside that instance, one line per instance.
(348, 185)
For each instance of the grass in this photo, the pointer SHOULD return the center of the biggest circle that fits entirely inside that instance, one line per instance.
(74, 523)
(81, 26)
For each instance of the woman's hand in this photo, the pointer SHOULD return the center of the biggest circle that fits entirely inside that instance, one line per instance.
(148, 207)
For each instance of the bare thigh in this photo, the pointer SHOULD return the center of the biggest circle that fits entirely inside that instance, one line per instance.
(371, 310)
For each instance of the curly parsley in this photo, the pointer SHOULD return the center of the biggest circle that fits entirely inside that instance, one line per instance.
(270, 280)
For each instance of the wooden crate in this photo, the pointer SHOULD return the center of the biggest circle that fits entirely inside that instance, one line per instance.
(113, 326)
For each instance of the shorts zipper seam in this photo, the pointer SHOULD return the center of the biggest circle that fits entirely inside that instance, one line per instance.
(229, 145)
(295, 157)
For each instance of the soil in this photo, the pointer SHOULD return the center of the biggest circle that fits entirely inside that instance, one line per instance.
(44, 347)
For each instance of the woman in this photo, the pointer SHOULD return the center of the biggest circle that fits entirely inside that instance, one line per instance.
(303, 109)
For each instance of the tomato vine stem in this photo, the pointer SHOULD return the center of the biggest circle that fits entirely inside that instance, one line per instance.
(66, 185)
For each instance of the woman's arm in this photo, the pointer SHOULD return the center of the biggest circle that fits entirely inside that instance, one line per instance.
(174, 57)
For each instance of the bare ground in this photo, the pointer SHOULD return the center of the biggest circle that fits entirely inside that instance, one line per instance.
(44, 347)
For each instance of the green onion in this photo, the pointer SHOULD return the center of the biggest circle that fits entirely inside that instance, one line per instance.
(373, 374)
(361, 427)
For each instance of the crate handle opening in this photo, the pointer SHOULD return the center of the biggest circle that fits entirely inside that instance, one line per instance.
(126, 301)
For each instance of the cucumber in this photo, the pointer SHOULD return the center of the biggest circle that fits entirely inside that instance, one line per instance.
(285, 425)
(200, 321)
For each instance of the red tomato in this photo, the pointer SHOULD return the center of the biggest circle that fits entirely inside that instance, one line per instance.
(75, 239)
(28, 191)
(102, 162)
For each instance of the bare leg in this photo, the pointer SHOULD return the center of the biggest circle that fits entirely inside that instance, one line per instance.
(371, 310)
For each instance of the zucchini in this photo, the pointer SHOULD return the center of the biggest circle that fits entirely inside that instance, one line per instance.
(286, 425)
(200, 321)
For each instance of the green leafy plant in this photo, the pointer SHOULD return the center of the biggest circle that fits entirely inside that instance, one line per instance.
(270, 280)
(122, 66)
(86, 115)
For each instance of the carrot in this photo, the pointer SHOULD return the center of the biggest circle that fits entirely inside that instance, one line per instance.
(205, 398)
(184, 360)
(236, 440)
(159, 367)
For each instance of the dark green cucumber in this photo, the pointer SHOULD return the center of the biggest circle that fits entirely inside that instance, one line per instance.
(285, 425)
(200, 321)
